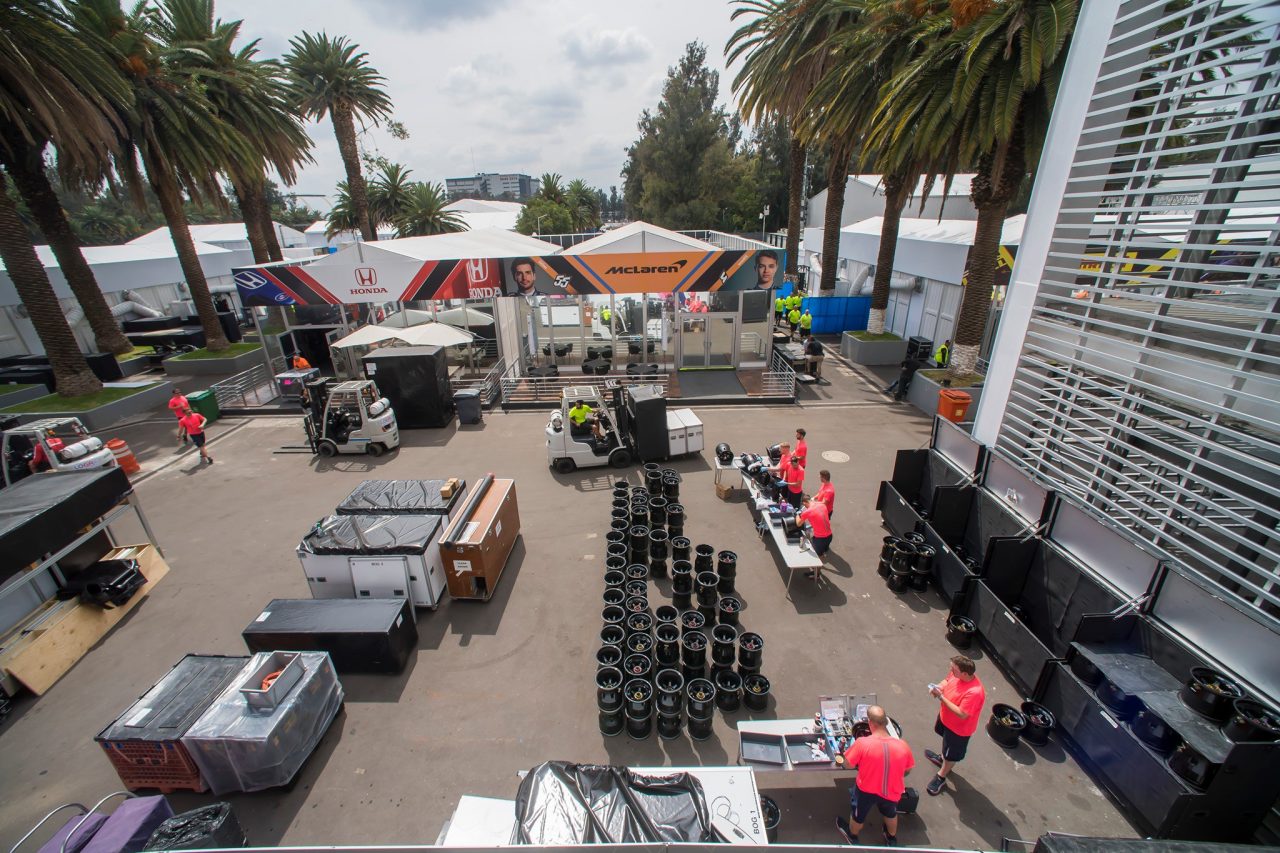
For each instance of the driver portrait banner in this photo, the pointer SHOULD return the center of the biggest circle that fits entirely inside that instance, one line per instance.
(334, 282)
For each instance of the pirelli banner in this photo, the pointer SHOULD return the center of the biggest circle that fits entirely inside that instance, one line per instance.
(336, 279)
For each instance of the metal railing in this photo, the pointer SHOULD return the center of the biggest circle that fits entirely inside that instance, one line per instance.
(728, 241)
(489, 385)
(252, 387)
(518, 389)
(780, 379)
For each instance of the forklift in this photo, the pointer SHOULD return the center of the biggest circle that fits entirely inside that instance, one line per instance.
(570, 446)
(348, 417)
(63, 443)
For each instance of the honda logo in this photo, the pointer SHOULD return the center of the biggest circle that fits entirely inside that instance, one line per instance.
(477, 270)
(366, 276)
(250, 280)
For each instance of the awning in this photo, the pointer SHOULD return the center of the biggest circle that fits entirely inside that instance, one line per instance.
(426, 334)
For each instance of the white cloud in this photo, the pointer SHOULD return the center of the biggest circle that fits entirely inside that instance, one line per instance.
(431, 14)
(607, 48)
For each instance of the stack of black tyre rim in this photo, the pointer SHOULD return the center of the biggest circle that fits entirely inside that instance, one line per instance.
(906, 562)
(660, 666)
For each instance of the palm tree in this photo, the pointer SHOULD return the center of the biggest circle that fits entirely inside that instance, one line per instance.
(342, 216)
(71, 373)
(549, 188)
(179, 136)
(786, 49)
(424, 213)
(983, 90)
(878, 39)
(390, 192)
(58, 88)
(584, 205)
(330, 77)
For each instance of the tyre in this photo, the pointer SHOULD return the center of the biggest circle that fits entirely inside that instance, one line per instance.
(328, 449)
(620, 458)
(374, 449)
(564, 466)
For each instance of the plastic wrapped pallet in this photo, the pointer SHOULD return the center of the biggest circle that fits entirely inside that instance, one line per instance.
(240, 749)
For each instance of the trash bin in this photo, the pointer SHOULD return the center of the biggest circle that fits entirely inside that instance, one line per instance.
(953, 405)
(467, 402)
(206, 404)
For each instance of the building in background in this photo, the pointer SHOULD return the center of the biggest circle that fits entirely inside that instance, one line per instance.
(513, 187)
(1137, 366)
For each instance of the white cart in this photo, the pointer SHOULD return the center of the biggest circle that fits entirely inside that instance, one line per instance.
(375, 556)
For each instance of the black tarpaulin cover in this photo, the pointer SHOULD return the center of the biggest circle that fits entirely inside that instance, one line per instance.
(42, 513)
(371, 534)
(395, 497)
(561, 803)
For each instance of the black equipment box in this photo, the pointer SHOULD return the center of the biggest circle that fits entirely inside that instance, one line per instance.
(644, 417)
(368, 635)
(41, 514)
(416, 381)
(107, 583)
(919, 347)
(166, 711)
(151, 324)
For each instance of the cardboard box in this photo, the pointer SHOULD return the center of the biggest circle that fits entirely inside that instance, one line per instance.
(481, 543)
(724, 491)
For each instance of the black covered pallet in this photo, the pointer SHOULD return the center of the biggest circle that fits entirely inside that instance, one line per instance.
(400, 497)
(367, 635)
(42, 514)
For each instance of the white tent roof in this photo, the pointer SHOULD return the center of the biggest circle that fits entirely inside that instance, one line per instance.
(956, 231)
(481, 205)
(640, 237)
(427, 334)
(126, 254)
(221, 232)
(960, 185)
(481, 243)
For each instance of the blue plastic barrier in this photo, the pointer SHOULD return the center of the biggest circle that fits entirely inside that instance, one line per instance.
(835, 314)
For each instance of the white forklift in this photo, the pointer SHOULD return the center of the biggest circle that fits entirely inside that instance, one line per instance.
(633, 425)
(348, 417)
(63, 444)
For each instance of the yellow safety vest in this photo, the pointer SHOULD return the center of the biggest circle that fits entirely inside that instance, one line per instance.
(779, 305)
(579, 414)
(793, 317)
(806, 320)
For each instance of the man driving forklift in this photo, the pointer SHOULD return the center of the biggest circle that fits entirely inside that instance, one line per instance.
(580, 415)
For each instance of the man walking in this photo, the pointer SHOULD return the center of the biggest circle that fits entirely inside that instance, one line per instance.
(779, 310)
(961, 696)
(178, 405)
(793, 320)
(882, 762)
(813, 356)
(194, 423)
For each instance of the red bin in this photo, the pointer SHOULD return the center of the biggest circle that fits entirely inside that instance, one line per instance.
(953, 405)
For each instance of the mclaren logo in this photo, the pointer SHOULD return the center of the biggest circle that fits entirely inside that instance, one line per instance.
(640, 270)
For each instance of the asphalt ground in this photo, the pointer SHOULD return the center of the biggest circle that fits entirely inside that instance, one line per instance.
(498, 687)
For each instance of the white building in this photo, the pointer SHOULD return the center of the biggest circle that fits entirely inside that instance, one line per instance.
(864, 198)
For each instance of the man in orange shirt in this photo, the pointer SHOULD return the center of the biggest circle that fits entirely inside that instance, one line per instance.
(961, 695)
(882, 762)
(826, 492)
(194, 423)
(178, 405)
(815, 515)
(794, 476)
(784, 460)
(801, 451)
(300, 363)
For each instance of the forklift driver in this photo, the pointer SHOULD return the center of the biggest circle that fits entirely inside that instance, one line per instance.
(579, 416)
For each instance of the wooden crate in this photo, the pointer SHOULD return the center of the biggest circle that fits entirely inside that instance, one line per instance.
(473, 564)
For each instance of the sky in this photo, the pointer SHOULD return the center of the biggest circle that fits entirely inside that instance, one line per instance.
(526, 86)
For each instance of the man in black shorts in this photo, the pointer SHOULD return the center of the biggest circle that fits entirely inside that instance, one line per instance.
(960, 696)
(882, 762)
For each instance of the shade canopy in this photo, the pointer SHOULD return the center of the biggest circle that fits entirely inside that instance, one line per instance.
(408, 317)
(426, 334)
(465, 317)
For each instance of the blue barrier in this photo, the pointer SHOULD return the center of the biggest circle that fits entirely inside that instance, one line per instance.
(835, 314)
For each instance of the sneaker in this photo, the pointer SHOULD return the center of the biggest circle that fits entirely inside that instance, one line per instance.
(935, 786)
(843, 826)
(933, 756)
(889, 840)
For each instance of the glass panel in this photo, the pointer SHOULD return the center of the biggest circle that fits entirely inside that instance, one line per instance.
(720, 332)
(693, 341)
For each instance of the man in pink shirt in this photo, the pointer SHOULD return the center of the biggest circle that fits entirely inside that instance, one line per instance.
(826, 492)
(801, 451)
(784, 460)
(178, 405)
(961, 695)
(794, 476)
(815, 515)
(882, 762)
(193, 423)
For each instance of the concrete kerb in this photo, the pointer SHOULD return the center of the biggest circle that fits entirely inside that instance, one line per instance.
(22, 395)
(111, 413)
(178, 366)
(872, 352)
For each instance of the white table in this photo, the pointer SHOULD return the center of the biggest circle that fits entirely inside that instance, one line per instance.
(795, 556)
(803, 725)
(733, 801)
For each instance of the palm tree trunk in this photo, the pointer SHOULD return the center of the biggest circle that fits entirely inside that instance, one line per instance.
(344, 127)
(166, 189)
(71, 373)
(837, 179)
(795, 198)
(26, 167)
(995, 182)
(268, 226)
(896, 188)
(252, 225)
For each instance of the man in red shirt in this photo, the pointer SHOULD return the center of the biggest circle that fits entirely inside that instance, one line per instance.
(178, 405)
(882, 762)
(815, 515)
(801, 451)
(961, 695)
(794, 475)
(826, 492)
(784, 460)
(193, 423)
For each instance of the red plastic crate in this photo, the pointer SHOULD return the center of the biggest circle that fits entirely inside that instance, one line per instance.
(162, 765)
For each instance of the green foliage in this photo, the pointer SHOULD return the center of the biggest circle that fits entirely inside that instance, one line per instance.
(342, 216)
(389, 192)
(230, 352)
(684, 171)
(423, 213)
(80, 403)
(543, 216)
(328, 72)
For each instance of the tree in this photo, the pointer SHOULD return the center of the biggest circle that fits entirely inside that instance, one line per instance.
(550, 187)
(59, 88)
(331, 78)
(424, 214)
(176, 129)
(391, 193)
(983, 89)
(584, 206)
(71, 373)
(342, 216)
(541, 216)
(678, 173)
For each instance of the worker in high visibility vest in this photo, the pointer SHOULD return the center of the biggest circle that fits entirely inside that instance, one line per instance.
(793, 319)
(942, 357)
(794, 301)
(779, 310)
(605, 316)
(806, 323)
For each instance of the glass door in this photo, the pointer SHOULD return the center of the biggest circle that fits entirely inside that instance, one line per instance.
(708, 341)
